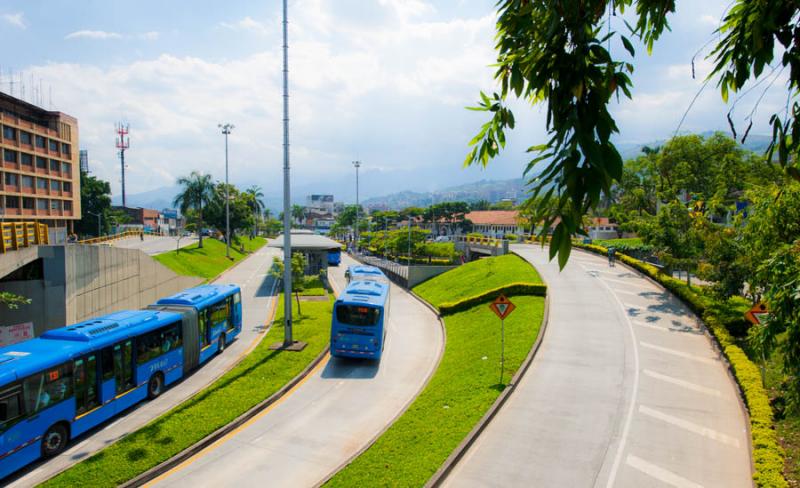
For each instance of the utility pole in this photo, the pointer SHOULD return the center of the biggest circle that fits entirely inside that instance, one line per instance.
(123, 144)
(357, 165)
(226, 130)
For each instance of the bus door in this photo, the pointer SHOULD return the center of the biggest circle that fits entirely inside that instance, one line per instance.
(235, 313)
(88, 390)
(123, 373)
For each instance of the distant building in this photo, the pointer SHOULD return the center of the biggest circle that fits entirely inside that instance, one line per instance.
(39, 178)
(84, 159)
(603, 228)
(145, 217)
(320, 202)
(495, 223)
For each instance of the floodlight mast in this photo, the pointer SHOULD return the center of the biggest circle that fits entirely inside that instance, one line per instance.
(287, 211)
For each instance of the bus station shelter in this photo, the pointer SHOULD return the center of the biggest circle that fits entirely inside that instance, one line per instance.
(315, 248)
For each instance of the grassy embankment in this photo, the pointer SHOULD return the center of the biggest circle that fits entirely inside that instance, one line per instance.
(466, 382)
(259, 375)
(313, 287)
(210, 260)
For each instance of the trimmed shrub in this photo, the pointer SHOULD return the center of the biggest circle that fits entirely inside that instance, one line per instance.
(532, 289)
(768, 455)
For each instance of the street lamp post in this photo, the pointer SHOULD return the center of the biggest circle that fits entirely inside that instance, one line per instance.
(226, 130)
(357, 165)
(99, 220)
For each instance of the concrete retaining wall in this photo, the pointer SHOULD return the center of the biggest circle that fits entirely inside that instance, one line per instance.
(418, 274)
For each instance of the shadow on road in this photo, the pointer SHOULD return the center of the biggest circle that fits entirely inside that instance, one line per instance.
(356, 369)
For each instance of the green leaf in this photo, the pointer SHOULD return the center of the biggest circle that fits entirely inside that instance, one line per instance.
(628, 45)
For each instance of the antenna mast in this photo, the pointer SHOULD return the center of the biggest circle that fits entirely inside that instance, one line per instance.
(123, 143)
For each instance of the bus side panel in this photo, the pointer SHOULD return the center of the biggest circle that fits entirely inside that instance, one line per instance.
(169, 364)
(93, 418)
(130, 398)
(12, 461)
(28, 433)
(191, 341)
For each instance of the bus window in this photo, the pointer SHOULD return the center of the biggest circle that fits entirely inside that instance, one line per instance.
(107, 363)
(48, 388)
(123, 366)
(84, 372)
(158, 342)
(357, 315)
(10, 406)
(202, 323)
(172, 338)
(220, 313)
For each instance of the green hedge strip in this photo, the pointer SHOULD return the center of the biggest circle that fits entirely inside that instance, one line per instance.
(768, 455)
(530, 289)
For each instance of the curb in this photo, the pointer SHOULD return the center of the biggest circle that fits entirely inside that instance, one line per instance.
(444, 471)
(403, 410)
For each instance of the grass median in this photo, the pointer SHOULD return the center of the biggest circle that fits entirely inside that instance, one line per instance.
(259, 375)
(464, 386)
(210, 260)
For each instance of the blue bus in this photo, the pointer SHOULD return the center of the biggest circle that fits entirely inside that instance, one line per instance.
(360, 318)
(334, 257)
(67, 381)
(362, 272)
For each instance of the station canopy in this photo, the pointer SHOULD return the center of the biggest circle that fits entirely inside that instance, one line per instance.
(306, 241)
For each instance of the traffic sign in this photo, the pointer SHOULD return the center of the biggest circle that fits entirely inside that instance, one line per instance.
(757, 314)
(502, 307)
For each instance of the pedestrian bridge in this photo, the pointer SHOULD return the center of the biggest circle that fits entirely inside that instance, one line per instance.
(483, 246)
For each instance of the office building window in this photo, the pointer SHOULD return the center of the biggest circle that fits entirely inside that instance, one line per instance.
(53, 145)
(9, 133)
(55, 204)
(24, 137)
(55, 185)
(66, 168)
(9, 156)
(66, 149)
(27, 202)
(12, 179)
(41, 162)
(12, 202)
(54, 165)
(41, 142)
(41, 204)
(41, 183)
(67, 205)
(26, 159)
(27, 181)
(67, 186)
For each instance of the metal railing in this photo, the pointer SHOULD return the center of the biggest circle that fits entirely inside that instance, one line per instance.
(15, 235)
(120, 235)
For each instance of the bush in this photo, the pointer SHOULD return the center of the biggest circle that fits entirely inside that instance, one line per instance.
(768, 455)
(531, 289)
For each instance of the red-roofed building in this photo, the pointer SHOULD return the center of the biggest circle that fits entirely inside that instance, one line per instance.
(603, 228)
(495, 223)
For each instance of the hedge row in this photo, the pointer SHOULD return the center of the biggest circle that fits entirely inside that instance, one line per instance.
(768, 455)
(532, 289)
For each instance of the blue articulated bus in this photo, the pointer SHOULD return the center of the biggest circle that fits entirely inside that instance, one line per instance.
(334, 257)
(59, 385)
(360, 319)
(362, 272)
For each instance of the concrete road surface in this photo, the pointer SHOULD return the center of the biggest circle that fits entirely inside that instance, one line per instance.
(251, 275)
(331, 416)
(152, 245)
(626, 391)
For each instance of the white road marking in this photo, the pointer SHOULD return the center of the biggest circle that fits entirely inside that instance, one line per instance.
(659, 473)
(682, 383)
(638, 282)
(690, 426)
(675, 352)
(667, 329)
(627, 292)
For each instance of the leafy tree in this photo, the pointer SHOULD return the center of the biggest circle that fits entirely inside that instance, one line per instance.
(480, 205)
(299, 264)
(196, 191)
(95, 199)
(256, 203)
(298, 213)
(241, 215)
(12, 301)
(675, 235)
(560, 53)
(505, 205)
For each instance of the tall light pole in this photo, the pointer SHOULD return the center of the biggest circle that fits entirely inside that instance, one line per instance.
(226, 130)
(357, 165)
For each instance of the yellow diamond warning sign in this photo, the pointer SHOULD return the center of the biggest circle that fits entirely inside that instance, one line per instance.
(502, 306)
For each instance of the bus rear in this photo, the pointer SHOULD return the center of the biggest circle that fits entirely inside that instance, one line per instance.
(334, 257)
(360, 316)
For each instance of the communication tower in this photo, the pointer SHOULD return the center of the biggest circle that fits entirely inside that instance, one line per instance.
(123, 143)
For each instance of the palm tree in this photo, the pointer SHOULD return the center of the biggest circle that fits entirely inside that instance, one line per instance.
(256, 203)
(196, 190)
(298, 213)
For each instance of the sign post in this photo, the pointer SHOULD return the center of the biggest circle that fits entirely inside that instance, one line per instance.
(502, 307)
(758, 316)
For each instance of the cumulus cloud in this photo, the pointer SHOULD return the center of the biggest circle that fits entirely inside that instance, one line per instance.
(149, 36)
(15, 19)
(245, 24)
(93, 34)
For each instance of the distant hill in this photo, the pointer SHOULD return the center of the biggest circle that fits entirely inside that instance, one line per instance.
(491, 190)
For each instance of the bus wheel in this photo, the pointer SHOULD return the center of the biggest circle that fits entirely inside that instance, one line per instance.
(221, 346)
(54, 440)
(155, 386)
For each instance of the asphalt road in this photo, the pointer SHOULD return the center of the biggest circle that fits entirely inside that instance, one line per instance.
(251, 275)
(331, 416)
(152, 245)
(627, 390)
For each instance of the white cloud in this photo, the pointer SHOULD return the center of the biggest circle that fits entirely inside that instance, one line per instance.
(16, 19)
(149, 36)
(246, 24)
(709, 20)
(93, 34)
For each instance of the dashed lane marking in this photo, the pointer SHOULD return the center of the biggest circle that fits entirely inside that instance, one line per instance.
(659, 473)
(689, 426)
(681, 354)
(682, 383)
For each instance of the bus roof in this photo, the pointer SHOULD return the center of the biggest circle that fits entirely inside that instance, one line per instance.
(199, 296)
(366, 291)
(25, 358)
(365, 270)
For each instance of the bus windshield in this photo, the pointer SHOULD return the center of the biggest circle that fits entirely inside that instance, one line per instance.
(357, 315)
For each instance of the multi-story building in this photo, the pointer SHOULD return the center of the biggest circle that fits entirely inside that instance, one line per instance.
(39, 173)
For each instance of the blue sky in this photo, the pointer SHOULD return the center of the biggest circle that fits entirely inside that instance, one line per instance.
(383, 81)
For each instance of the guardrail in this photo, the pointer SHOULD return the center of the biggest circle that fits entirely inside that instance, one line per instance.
(121, 235)
(14, 235)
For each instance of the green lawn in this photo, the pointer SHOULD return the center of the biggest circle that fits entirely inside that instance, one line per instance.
(209, 261)
(259, 375)
(461, 391)
(313, 287)
(466, 383)
(475, 278)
